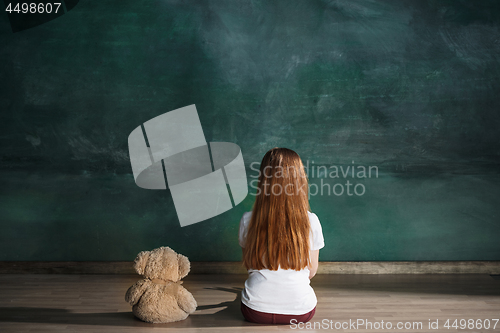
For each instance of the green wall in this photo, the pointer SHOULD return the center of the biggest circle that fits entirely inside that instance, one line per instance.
(409, 87)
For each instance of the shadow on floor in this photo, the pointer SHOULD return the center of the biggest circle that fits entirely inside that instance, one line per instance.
(229, 316)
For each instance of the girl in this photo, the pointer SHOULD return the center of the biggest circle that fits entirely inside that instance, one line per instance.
(280, 239)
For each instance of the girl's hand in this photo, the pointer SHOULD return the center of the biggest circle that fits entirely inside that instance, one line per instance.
(313, 263)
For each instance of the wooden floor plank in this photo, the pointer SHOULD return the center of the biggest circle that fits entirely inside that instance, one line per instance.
(95, 303)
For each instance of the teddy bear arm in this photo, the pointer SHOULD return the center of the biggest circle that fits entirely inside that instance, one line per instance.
(135, 292)
(186, 301)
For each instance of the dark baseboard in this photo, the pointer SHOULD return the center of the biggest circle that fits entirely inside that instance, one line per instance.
(325, 267)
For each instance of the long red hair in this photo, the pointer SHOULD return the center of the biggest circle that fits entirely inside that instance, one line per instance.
(278, 232)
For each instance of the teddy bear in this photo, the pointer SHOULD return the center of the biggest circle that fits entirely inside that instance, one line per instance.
(159, 297)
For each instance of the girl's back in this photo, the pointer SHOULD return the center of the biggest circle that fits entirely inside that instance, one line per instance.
(284, 291)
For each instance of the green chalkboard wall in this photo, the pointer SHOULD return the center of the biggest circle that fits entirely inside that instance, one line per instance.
(408, 88)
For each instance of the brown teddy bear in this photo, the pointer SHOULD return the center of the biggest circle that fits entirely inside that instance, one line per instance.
(160, 298)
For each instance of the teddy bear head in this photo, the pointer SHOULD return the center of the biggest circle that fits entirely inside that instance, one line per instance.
(162, 263)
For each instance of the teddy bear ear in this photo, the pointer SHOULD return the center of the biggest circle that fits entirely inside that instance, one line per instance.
(140, 262)
(184, 265)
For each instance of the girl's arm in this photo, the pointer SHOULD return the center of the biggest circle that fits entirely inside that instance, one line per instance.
(313, 263)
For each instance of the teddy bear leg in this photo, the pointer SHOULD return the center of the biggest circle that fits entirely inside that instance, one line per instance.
(158, 312)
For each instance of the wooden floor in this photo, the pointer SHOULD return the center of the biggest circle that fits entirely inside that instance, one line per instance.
(95, 303)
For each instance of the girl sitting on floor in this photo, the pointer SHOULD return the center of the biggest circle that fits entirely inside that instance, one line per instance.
(280, 239)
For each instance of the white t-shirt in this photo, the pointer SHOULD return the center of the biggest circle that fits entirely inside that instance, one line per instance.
(284, 291)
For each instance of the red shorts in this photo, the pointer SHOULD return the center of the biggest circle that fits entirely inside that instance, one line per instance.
(274, 318)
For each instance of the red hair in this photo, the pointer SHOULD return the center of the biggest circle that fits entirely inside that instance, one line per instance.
(278, 233)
